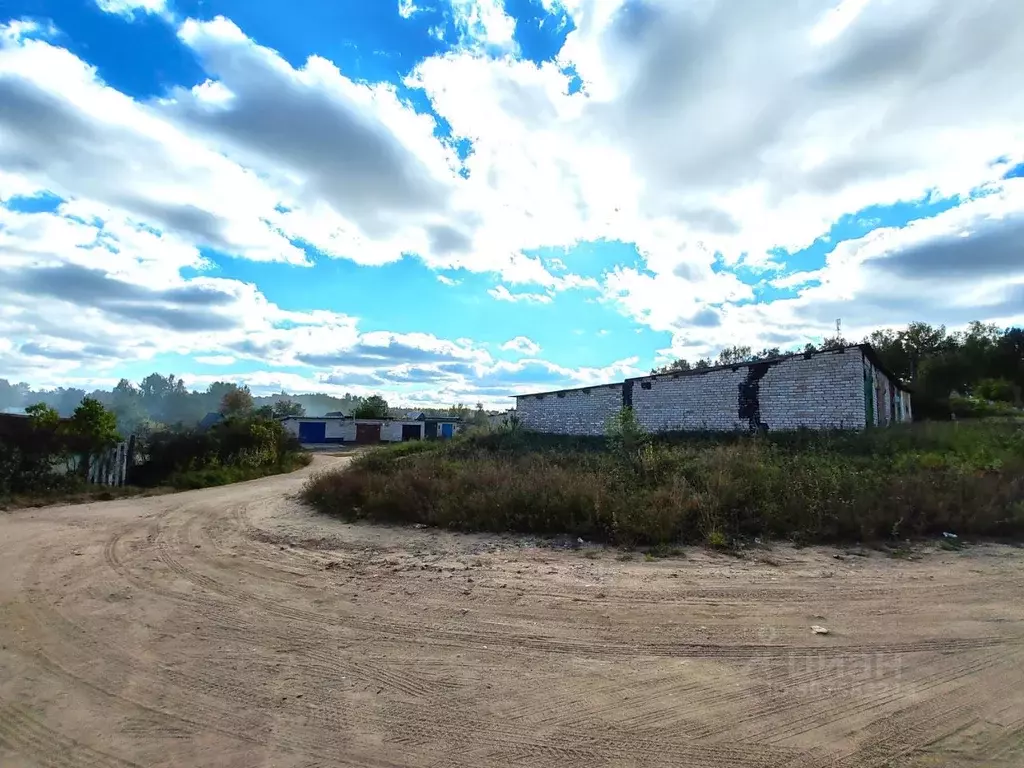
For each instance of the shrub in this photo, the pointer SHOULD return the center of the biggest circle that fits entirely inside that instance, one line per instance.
(240, 443)
(974, 408)
(907, 481)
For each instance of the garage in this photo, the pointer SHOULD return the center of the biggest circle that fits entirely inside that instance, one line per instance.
(312, 432)
(411, 432)
(367, 433)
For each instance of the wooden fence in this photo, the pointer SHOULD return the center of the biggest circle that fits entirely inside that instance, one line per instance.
(113, 466)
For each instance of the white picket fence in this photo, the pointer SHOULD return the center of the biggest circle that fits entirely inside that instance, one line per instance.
(111, 467)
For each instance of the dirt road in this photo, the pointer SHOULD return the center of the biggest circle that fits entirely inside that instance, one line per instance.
(230, 627)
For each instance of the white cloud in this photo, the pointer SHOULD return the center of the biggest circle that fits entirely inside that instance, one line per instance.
(215, 359)
(501, 293)
(718, 128)
(709, 134)
(406, 8)
(445, 280)
(66, 132)
(522, 345)
(484, 21)
(129, 7)
(958, 266)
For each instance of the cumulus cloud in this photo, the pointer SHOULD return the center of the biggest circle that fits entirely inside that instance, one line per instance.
(129, 7)
(961, 265)
(501, 293)
(711, 135)
(351, 146)
(80, 295)
(522, 345)
(256, 161)
(717, 133)
(66, 132)
(483, 22)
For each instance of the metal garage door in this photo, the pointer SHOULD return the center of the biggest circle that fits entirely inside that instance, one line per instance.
(367, 433)
(312, 432)
(410, 432)
(447, 430)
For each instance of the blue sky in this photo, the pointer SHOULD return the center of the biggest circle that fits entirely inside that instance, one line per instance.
(457, 200)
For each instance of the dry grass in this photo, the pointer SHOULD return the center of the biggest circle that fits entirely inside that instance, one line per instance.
(885, 484)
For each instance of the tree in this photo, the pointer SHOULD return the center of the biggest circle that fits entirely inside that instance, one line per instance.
(734, 355)
(459, 411)
(768, 353)
(834, 342)
(12, 395)
(1000, 390)
(480, 416)
(284, 408)
(92, 422)
(126, 403)
(919, 341)
(68, 399)
(43, 416)
(373, 407)
(676, 366)
(237, 401)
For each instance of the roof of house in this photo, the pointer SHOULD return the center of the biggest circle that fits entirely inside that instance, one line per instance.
(868, 351)
(209, 420)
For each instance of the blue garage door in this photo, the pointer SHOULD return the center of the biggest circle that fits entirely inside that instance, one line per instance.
(312, 431)
(447, 430)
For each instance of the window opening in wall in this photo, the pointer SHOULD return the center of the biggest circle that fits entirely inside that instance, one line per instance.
(560, 394)
(645, 385)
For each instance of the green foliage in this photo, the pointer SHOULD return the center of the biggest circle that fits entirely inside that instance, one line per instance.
(163, 401)
(975, 408)
(223, 475)
(43, 416)
(46, 455)
(238, 445)
(373, 407)
(996, 390)
(734, 355)
(909, 481)
(284, 408)
(626, 438)
(94, 424)
(236, 401)
(982, 361)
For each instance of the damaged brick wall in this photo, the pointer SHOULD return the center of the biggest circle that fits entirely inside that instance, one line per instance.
(819, 391)
(572, 412)
(825, 390)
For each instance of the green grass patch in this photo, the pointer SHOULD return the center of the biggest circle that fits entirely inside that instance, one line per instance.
(225, 475)
(883, 484)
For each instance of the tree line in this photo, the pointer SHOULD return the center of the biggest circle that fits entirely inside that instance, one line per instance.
(983, 361)
(164, 402)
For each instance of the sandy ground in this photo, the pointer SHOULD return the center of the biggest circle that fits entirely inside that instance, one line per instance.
(230, 627)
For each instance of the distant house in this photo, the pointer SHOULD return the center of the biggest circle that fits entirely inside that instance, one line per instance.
(209, 420)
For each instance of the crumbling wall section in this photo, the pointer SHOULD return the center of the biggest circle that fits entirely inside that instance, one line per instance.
(572, 412)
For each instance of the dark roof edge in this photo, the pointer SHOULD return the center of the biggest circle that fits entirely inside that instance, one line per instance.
(865, 348)
(570, 389)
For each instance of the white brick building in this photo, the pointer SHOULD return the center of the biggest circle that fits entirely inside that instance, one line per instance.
(837, 389)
